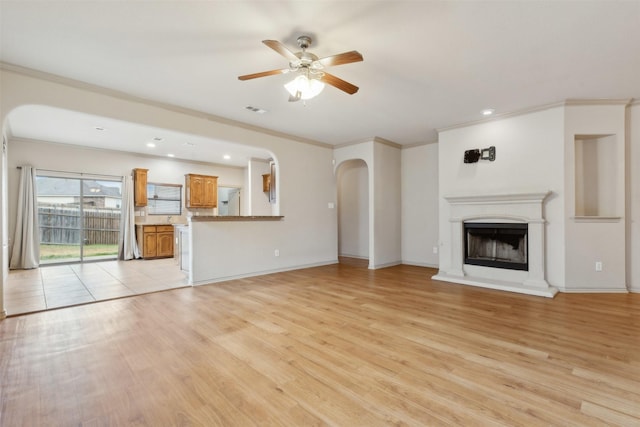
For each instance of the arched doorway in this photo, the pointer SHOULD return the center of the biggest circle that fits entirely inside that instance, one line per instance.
(352, 178)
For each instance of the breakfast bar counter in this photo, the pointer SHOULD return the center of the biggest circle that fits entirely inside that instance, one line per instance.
(235, 218)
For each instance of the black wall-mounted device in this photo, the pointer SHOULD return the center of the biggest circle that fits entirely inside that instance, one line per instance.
(472, 156)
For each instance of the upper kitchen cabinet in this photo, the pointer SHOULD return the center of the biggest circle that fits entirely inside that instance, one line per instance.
(140, 187)
(201, 191)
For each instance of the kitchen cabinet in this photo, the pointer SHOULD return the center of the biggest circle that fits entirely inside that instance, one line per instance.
(140, 187)
(155, 241)
(201, 191)
(266, 182)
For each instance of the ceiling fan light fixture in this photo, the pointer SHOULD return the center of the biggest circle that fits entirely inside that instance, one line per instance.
(306, 88)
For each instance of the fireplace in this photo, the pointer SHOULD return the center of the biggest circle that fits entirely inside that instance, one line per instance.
(498, 245)
(523, 246)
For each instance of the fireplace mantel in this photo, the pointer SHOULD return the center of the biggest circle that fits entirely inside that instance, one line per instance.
(500, 198)
(524, 207)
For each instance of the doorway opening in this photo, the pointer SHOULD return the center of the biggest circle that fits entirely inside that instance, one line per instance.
(352, 179)
(228, 201)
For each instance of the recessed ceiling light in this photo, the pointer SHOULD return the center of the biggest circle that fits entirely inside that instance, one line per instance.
(99, 128)
(488, 111)
(170, 155)
(151, 144)
(226, 157)
(188, 144)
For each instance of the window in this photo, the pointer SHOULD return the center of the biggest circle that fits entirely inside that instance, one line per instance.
(78, 216)
(164, 199)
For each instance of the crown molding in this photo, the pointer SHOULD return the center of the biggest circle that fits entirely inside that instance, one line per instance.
(419, 144)
(386, 142)
(78, 84)
(567, 102)
(348, 144)
(501, 116)
(598, 101)
(373, 139)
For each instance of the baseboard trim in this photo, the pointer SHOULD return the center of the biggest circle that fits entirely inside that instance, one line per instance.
(353, 256)
(385, 265)
(262, 273)
(596, 291)
(420, 264)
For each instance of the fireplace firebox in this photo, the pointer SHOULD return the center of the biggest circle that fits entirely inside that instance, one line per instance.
(498, 245)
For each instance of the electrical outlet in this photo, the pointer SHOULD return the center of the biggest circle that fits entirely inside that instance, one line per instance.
(435, 249)
(276, 252)
(598, 265)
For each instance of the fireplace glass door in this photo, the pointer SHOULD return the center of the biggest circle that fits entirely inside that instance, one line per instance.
(498, 245)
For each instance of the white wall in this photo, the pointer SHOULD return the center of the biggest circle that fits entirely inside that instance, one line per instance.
(308, 234)
(353, 209)
(537, 151)
(301, 238)
(529, 158)
(4, 225)
(596, 239)
(387, 190)
(633, 198)
(420, 205)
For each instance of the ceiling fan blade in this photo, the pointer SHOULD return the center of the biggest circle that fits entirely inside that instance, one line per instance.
(263, 74)
(339, 83)
(340, 59)
(281, 49)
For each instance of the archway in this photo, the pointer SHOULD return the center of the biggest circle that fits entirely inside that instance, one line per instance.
(352, 178)
(71, 144)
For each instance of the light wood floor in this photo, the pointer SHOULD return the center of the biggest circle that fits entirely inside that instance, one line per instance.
(335, 345)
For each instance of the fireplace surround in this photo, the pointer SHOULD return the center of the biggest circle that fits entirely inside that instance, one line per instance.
(512, 208)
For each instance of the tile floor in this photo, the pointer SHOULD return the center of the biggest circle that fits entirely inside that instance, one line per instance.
(56, 286)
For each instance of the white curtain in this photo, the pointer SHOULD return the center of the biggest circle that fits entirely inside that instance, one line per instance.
(26, 239)
(128, 247)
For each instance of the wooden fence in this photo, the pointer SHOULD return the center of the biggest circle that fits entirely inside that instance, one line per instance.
(62, 225)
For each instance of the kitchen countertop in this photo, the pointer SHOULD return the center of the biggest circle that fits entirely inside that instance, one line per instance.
(161, 223)
(206, 218)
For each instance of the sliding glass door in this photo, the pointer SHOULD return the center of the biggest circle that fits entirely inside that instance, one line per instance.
(79, 218)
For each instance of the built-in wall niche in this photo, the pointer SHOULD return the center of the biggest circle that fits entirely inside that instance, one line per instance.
(596, 176)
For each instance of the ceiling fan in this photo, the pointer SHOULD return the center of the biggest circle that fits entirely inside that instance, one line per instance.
(311, 76)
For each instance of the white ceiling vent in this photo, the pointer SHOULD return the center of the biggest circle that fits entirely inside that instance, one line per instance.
(255, 109)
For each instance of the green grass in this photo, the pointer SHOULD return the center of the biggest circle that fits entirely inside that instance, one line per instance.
(61, 252)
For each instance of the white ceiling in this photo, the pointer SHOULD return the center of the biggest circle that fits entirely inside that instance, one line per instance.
(42, 123)
(427, 64)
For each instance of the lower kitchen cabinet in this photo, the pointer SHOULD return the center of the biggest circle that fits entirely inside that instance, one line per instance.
(155, 241)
